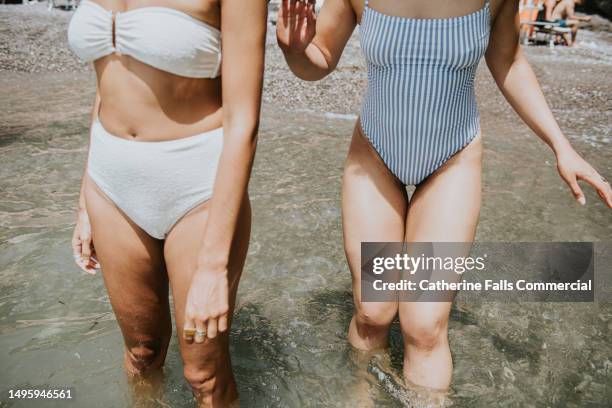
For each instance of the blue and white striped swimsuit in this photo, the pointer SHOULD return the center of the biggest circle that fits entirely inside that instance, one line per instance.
(420, 106)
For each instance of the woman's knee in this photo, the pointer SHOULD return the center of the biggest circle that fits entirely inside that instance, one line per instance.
(145, 355)
(202, 378)
(425, 335)
(210, 377)
(375, 315)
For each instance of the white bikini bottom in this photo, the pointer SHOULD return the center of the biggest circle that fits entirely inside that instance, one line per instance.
(155, 183)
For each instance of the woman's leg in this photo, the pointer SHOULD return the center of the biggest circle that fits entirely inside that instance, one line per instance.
(373, 209)
(444, 208)
(207, 365)
(135, 277)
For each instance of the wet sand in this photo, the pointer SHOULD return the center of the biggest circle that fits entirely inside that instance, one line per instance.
(288, 338)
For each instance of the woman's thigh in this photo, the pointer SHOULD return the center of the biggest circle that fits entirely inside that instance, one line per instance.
(182, 249)
(134, 274)
(444, 208)
(373, 209)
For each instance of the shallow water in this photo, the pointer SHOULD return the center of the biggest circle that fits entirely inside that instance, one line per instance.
(289, 334)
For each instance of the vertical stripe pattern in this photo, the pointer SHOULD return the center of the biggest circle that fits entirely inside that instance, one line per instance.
(420, 106)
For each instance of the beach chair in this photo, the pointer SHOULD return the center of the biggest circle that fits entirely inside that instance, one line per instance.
(67, 4)
(533, 30)
(528, 14)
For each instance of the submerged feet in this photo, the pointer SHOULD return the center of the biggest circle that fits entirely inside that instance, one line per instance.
(211, 385)
(407, 393)
(374, 371)
(145, 377)
(426, 356)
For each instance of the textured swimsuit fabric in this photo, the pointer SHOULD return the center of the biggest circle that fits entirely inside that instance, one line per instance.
(161, 37)
(420, 105)
(154, 183)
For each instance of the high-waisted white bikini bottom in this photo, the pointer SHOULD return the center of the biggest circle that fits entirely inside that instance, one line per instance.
(155, 183)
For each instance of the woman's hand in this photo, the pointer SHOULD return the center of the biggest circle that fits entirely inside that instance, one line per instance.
(207, 307)
(572, 168)
(296, 25)
(83, 249)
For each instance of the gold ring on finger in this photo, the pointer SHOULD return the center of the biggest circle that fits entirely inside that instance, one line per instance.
(189, 333)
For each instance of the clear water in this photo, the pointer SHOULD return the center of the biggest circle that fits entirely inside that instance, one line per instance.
(289, 335)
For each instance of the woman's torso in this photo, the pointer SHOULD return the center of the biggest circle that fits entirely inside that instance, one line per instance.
(141, 101)
(420, 105)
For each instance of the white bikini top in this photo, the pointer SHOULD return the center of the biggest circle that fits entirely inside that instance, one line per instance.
(162, 37)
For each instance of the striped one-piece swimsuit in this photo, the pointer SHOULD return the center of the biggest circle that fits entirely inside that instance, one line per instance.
(420, 106)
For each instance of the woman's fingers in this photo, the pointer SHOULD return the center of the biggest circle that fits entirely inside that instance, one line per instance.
(196, 330)
(76, 246)
(311, 16)
(293, 15)
(93, 265)
(211, 330)
(295, 26)
(222, 323)
(94, 258)
(283, 12)
(78, 259)
(594, 179)
(85, 249)
(300, 25)
(306, 20)
(200, 334)
(205, 328)
(86, 255)
(88, 264)
(189, 329)
(602, 187)
(576, 190)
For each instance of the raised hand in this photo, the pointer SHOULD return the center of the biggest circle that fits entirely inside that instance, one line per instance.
(296, 25)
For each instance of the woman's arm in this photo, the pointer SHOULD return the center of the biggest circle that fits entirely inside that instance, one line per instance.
(93, 116)
(243, 27)
(312, 46)
(571, 13)
(519, 85)
(82, 245)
